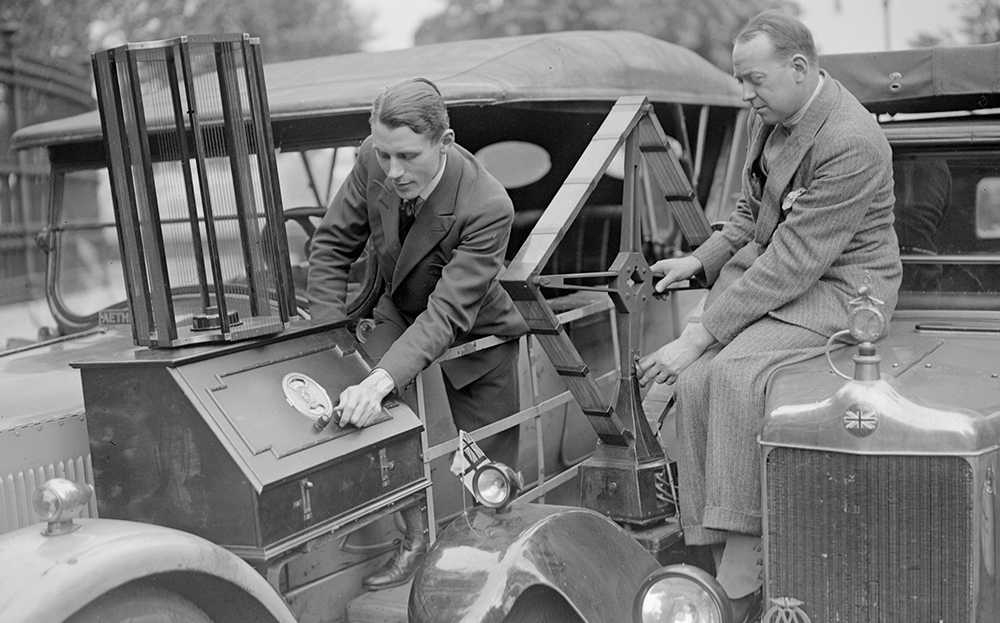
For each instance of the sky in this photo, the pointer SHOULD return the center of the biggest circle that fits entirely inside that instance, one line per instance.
(858, 26)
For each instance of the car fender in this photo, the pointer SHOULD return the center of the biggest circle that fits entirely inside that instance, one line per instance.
(485, 561)
(48, 578)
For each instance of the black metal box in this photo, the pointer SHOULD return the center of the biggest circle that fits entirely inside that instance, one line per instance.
(207, 439)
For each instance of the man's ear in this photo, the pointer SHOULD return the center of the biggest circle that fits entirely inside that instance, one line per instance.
(447, 140)
(801, 66)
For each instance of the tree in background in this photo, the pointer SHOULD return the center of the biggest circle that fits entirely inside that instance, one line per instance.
(288, 29)
(980, 24)
(980, 20)
(705, 26)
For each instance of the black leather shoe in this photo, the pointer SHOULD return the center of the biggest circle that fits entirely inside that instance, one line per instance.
(748, 609)
(399, 568)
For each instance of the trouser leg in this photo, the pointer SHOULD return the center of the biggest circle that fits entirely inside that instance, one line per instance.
(738, 379)
(490, 398)
(720, 408)
(692, 410)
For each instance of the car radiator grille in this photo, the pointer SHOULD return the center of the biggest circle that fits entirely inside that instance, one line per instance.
(861, 539)
(17, 488)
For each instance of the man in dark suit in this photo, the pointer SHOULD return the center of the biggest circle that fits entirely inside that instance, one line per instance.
(813, 225)
(439, 223)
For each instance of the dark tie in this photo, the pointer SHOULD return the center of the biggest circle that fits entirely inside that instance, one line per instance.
(407, 213)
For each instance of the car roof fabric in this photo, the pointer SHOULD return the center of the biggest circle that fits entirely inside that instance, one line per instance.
(568, 66)
(921, 80)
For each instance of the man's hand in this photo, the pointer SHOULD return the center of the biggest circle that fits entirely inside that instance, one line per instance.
(675, 269)
(360, 404)
(665, 364)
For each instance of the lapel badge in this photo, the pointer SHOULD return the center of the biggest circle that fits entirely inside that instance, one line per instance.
(790, 198)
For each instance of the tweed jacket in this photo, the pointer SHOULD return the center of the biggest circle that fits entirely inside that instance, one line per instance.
(441, 285)
(799, 246)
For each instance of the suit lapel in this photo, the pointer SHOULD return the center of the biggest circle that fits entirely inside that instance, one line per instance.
(796, 146)
(433, 221)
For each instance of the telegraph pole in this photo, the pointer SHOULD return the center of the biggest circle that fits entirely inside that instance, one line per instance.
(885, 24)
(886, 29)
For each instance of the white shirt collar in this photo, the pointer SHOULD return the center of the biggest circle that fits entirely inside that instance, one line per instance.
(431, 185)
(792, 121)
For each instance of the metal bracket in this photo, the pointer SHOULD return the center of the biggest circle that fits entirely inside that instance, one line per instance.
(627, 447)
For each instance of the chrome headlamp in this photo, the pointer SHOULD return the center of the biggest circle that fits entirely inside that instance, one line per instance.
(681, 594)
(495, 485)
(58, 502)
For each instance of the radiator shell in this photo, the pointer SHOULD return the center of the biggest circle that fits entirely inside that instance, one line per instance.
(35, 451)
(878, 508)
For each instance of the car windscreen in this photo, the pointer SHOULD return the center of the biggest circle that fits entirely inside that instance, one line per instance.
(948, 224)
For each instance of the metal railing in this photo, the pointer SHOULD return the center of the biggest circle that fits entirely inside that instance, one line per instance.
(536, 410)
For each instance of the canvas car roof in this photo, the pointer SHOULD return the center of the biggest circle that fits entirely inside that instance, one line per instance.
(563, 67)
(921, 80)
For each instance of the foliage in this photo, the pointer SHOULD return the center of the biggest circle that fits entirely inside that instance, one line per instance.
(289, 29)
(705, 26)
(980, 24)
(981, 20)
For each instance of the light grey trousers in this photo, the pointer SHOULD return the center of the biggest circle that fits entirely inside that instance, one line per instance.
(720, 409)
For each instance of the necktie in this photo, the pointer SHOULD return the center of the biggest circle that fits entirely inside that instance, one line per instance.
(407, 214)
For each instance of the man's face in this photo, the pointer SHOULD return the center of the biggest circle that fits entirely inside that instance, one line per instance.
(772, 86)
(410, 160)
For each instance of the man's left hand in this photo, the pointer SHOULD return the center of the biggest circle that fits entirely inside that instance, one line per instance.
(669, 360)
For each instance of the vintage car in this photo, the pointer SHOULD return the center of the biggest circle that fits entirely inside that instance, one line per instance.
(879, 460)
(162, 460)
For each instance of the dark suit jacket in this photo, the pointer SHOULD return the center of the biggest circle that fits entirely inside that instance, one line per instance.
(799, 247)
(442, 284)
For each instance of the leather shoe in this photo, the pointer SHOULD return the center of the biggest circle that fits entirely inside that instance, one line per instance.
(399, 568)
(748, 609)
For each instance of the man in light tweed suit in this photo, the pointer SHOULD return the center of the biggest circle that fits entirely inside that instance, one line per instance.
(814, 224)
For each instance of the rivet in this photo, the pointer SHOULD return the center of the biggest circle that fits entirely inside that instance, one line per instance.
(895, 365)
(927, 365)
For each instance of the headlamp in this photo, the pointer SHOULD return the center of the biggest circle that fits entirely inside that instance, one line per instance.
(681, 594)
(495, 485)
(58, 502)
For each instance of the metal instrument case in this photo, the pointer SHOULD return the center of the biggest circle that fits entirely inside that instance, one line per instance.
(203, 439)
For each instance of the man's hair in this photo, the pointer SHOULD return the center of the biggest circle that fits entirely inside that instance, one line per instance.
(788, 35)
(415, 103)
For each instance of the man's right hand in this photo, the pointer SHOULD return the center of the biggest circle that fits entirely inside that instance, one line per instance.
(675, 269)
(360, 404)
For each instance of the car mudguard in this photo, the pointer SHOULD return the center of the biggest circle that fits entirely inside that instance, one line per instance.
(48, 578)
(484, 561)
